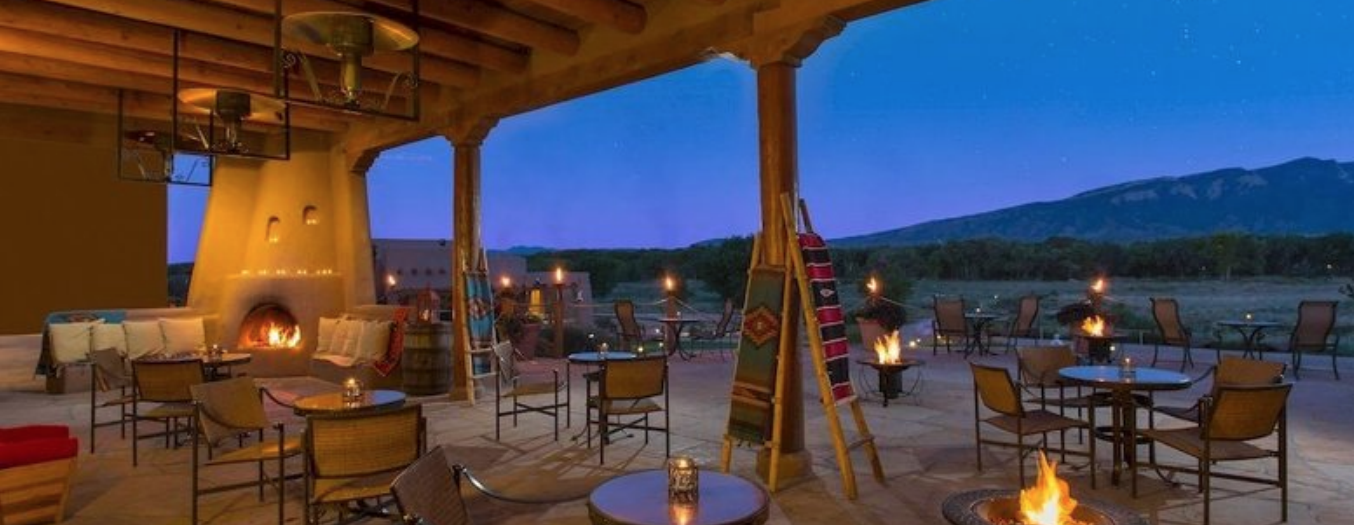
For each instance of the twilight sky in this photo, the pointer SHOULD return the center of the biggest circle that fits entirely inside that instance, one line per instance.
(944, 109)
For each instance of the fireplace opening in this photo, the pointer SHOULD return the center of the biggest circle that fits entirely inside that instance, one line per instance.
(269, 325)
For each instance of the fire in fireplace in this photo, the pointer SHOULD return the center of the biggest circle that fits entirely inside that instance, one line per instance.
(269, 325)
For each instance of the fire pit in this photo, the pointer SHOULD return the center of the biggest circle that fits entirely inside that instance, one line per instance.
(889, 363)
(1048, 502)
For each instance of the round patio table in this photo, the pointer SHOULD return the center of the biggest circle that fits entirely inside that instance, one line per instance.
(674, 326)
(1121, 386)
(978, 322)
(1250, 330)
(641, 498)
(334, 402)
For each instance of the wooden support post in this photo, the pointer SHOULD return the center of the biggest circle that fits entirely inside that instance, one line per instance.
(466, 137)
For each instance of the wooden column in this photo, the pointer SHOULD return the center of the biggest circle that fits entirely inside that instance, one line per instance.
(466, 138)
(776, 57)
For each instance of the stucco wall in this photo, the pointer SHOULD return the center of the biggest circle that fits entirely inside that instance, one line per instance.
(73, 235)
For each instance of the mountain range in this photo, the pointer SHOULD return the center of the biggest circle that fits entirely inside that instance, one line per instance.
(1306, 196)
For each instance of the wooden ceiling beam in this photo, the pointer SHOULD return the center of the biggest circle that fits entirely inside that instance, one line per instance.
(619, 14)
(496, 21)
(253, 29)
(46, 92)
(431, 42)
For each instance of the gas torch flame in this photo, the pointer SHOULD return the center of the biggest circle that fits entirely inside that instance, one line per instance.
(559, 275)
(668, 283)
(889, 349)
(283, 337)
(872, 285)
(1094, 326)
(1099, 286)
(1048, 502)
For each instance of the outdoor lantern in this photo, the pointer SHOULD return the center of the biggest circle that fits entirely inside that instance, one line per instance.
(683, 480)
(352, 390)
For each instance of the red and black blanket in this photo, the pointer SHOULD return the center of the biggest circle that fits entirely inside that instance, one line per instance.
(828, 311)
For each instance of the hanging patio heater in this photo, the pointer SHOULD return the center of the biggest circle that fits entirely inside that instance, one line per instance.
(308, 44)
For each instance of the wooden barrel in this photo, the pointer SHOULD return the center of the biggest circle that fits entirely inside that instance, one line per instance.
(427, 359)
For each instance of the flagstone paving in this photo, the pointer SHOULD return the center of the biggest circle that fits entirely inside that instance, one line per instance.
(926, 443)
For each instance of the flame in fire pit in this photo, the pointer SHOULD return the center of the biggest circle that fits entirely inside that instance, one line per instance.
(283, 336)
(1048, 502)
(889, 349)
(1094, 326)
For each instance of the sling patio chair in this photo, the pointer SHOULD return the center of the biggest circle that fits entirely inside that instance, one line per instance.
(110, 379)
(628, 389)
(233, 409)
(429, 492)
(1025, 323)
(993, 388)
(1171, 331)
(632, 333)
(1231, 371)
(1235, 418)
(351, 458)
(1314, 334)
(168, 383)
(949, 322)
(723, 332)
(1039, 366)
(520, 389)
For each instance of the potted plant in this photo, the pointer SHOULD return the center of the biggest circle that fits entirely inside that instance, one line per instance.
(877, 318)
(524, 330)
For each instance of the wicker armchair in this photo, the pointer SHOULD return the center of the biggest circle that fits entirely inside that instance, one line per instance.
(108, 373)
(1231, 371)
(628, 388)
(1166, 312)
(1314, 334)
(993, 388)
(949, 322)
(1236, 417)
(167, 383)
(520, 389)
(353, 457)
(233, 409)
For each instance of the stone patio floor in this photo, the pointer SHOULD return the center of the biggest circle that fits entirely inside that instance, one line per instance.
(926, 444)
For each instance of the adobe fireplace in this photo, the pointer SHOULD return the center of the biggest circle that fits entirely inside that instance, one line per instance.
(269, 325)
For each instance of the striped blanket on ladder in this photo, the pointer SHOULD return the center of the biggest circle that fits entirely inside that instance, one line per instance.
(828, 311)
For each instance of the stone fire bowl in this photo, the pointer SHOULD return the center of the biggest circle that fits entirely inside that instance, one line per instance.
(978, 507)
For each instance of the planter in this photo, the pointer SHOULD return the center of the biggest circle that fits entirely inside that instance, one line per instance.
(527, 341)
(870, 331)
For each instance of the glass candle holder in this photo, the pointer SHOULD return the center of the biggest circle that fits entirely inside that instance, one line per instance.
(1126, 367)
(683, 480)
(352, 390)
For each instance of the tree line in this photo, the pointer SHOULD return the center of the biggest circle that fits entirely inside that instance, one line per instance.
(722, 265)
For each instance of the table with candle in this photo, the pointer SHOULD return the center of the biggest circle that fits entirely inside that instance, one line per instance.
(978, 321)
(593, 360)
(1122, 381)
(352, 398)
(643, 498)
(1251, 331)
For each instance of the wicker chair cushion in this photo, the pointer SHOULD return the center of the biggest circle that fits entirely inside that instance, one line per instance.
(169, 411)
(635, 378)
(338, 490)
(627, 407)
(260, 452)
(1189, 441)
(531, 388)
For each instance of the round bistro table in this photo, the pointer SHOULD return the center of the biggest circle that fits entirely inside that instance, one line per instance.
(1121, 386)
(641, 498)
(334, 402)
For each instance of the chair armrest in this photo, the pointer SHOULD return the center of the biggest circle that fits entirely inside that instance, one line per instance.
(268, 394)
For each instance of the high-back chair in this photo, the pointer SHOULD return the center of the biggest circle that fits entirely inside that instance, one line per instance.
(231, 409)
(1024, 325)
(949, 323)
(993, 389)
(1314, 333)
(1231, 371)
(527, 393)
(109, 378)
(628, 388)
(355, 456)
(1039, 366)
(1171, 331)
(723, 330)
(1234, 418)
(167, 383)
(429, 492)
(631, 332)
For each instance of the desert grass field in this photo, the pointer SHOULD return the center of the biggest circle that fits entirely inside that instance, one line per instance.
(1202, 302)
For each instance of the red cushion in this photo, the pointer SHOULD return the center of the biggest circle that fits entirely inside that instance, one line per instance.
(31, 432)
(37, 451)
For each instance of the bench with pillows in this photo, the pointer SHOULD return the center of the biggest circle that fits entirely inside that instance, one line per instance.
(69, 337)
(366, 343)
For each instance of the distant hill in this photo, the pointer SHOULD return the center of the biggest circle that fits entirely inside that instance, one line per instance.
(526, 251)
(1302, 197)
